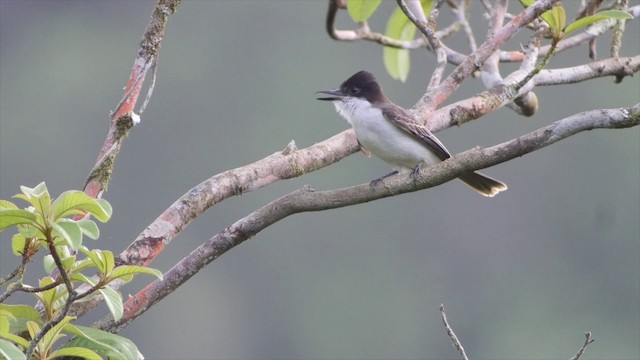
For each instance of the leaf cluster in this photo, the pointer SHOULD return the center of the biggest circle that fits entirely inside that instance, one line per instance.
(556, 19)
(59, 227)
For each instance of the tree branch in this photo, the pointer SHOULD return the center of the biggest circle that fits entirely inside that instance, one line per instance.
(474, 107)
(588, 340)
(306, 199)
(122, 118)
(452, 335)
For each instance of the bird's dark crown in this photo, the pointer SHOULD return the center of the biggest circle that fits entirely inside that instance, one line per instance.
(363, 85)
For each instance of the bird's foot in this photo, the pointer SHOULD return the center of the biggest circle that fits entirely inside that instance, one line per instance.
(377, 181)
(415, 172)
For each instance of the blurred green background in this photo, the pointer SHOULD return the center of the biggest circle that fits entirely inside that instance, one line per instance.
(522, 275)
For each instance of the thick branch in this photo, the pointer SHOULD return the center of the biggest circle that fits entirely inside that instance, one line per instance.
(618, 67)
(306, 199)
(285, 164)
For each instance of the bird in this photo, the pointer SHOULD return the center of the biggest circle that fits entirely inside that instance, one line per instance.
(393, 134)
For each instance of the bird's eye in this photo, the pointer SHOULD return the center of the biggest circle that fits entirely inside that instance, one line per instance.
(354, 90)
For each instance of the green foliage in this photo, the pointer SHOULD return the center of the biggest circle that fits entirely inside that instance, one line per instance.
(399, 27)
(397, 61)
(55, 226)
(556, 18)
(361, 10)
(602, 15)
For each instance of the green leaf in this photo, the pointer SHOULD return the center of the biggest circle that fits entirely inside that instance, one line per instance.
(70, 231)
(104, 343)
(83, 279)
(46, 297)
(602, 15)
(527, 3)
(109, 261)
(75, 352)
(125, 271)
(68, 262)
(81, 265)
(48, 263)
(13, 217)
(4, 204)
(9, 351)
(89, 228)
(114, 302)
(55, 333)
(98, 259)
(73, 202)
(17, 244)
(361, 10)
(556, 19)
(38, 197)
(33, 328)
(22, 314)
(397, 61)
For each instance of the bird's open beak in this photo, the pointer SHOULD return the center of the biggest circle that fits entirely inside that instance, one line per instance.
(335, 95)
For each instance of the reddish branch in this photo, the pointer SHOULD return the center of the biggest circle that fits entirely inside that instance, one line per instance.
(122, 118)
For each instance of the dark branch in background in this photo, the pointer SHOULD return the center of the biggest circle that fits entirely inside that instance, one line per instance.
(452, 335)
(306, 199)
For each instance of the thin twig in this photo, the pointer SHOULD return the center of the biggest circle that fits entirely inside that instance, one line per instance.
(588, 340)
(151, 87)
(452, 335)
(419, 21)
(363, 32)
(461, 13)
(127, 96)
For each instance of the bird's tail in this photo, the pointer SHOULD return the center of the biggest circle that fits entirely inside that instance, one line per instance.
(483, 184)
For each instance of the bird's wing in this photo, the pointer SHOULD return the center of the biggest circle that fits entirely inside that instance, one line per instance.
(407, 122)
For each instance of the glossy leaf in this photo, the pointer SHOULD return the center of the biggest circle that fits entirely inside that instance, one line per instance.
(55, 333)
(114, 302)
(13, 217)
(46, 297)
(125, 271)
(17, 244)
(38, 197)
(97, 258)
(4, 204)
(361, 10)
(21, 314)
(83, 279)
(70, 231)
(602, 15)
(89, 228)
(10, 351)
(73, 202)
(48, 263)
(397, 61)
(76, 352)
(104, 343)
